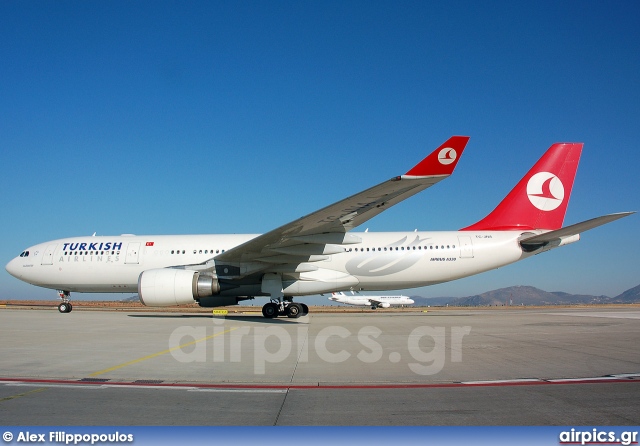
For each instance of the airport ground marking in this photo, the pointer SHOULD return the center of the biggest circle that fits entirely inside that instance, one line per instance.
(163, 352)
(20, 395)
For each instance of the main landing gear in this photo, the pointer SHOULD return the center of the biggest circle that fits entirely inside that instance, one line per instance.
(277, 308)
(65, 306)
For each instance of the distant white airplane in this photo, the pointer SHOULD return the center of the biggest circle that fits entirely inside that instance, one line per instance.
(371, 301)
(317, 253)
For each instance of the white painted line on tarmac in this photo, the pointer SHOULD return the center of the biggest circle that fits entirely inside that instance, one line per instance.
(148, 387)
(569, 380)
(241, 390)
(505, 381)
(64, 386)
(626, 375)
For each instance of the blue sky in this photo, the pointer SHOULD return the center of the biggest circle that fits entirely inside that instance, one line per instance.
(237, 117)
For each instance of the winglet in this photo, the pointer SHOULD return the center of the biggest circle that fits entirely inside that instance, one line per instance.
(441, 161)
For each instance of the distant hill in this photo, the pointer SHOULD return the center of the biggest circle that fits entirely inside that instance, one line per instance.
(528, 295)
(629, 296)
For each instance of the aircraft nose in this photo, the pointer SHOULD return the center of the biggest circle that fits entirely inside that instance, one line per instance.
(13, 268)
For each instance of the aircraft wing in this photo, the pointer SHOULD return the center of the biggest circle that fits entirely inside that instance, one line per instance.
(329, 225)
(568, 231)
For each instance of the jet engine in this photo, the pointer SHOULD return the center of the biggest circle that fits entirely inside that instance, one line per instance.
(384, 304)
(167, 287)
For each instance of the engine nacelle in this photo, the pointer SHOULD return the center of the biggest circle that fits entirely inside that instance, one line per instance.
(167, 287)
(384, 305)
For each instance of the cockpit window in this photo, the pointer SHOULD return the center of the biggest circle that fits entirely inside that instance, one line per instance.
(24, 254)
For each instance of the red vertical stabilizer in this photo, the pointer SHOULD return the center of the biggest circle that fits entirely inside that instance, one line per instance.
(539, 200)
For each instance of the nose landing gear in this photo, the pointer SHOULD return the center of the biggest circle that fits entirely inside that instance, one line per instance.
(65, 306)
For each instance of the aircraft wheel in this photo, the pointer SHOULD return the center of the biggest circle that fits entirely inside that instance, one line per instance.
(294, 310)
(305, 309)
(270, 310)
(64, 307)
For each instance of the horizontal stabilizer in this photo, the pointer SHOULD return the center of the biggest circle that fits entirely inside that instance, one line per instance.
(568, 231)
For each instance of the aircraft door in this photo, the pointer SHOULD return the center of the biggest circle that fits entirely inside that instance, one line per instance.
(47, 256)
(133, 253)
(466, 247)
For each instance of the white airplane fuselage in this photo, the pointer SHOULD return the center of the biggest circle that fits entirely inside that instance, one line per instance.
(318, 253)
(371, 301)
(382, 261)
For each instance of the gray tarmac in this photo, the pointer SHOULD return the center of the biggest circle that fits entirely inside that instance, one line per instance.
(445, 367)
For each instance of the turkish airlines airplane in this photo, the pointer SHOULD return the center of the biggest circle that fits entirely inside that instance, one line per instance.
(318, 253)
(371, 301)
